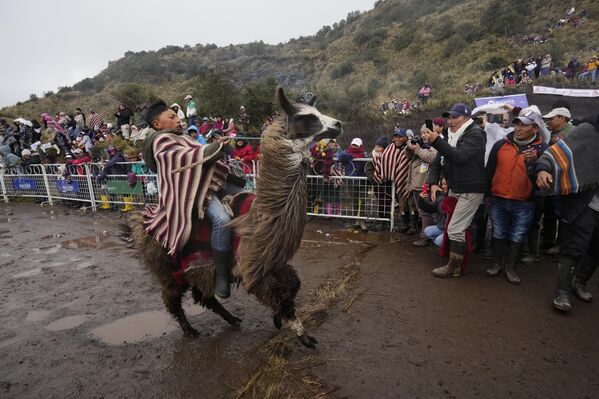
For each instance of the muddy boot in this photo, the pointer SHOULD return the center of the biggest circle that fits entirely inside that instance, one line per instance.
(413, 227)
(105, 205)
(561, 300)
(453, 266)
(222, 266)
(511, 261)
(533, 256)
(498, 252)
(403, 225)
(128, 204)
(584, 272)
(423, 242)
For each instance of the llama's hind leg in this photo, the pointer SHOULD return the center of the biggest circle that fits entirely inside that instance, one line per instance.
(214, 305)
(172, 296)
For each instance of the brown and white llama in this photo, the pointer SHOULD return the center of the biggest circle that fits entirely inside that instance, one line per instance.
(270, 232)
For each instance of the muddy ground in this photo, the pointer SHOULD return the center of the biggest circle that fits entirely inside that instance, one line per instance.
(80, 318)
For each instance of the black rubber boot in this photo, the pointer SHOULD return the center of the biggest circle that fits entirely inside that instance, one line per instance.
(413, 229)
(222, 264)
(403, 225)
(534, 237)
(511, 261)
(498, 253)
(561, 300)
(584, 272)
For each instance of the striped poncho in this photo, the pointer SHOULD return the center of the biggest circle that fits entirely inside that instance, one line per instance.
(572, 160)
(393, 165)
(170, 221)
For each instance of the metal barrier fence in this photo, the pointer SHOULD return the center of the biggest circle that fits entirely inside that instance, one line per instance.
(343, 197)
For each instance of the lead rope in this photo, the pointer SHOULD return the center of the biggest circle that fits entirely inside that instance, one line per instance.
(201, 161)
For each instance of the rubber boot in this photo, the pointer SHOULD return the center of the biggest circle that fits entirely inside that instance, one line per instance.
(413, 228)
(453, 266)
(128, 204)
(511, 262)
(534, 237)
(584, 272)
(222, 266)
(499, 246)
(403, 225)
(105, 205)
(561, 300)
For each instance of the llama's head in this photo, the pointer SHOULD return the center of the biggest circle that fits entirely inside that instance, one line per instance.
(305, 122)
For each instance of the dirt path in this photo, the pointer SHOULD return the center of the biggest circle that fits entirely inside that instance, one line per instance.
(81, 319)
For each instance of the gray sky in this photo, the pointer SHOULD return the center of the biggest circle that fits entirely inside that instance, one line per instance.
(51, 43)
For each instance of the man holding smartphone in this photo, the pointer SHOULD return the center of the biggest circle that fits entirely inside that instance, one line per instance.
(462, 160)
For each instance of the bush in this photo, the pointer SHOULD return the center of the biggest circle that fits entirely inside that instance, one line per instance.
(404, 38)
(342, 70)
(454, 45)
(134, 95)
(470, 31)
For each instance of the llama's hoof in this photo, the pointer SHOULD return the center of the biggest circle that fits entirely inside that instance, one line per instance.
(276, 319)
(308, 341)
(234, 321)
(191, 333)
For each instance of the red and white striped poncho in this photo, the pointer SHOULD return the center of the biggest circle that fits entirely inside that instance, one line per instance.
(393, 165)
(169, 222)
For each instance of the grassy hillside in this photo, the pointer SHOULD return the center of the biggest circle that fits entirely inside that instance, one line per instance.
(354, 65)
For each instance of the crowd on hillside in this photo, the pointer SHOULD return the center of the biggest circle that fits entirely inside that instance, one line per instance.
(525, 70)
(569, 18)
(406, 106)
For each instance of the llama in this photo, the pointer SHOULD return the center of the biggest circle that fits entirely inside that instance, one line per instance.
(269, 233)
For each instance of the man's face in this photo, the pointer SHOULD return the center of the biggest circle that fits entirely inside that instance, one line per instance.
(399, 140)
(437, 128)
(556, 123)
(525, 132)
(168, 120)
(456, 122)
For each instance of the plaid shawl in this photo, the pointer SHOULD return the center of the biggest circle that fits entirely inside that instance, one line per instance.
(169, 222)
(393, 165)
(573, 160)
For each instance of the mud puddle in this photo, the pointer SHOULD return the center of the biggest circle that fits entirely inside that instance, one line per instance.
(141, 326)
(37, 315)
(346, 236)
(8, 220)
(67, 323)
(97, 241)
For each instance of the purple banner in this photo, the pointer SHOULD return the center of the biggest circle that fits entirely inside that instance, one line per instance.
(515, 100)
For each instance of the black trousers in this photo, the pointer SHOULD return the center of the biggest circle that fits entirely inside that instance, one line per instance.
(582, 237)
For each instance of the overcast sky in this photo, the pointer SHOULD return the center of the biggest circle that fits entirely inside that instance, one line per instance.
(51, 43)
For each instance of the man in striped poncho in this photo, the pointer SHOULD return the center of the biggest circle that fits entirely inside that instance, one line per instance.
(188, 193)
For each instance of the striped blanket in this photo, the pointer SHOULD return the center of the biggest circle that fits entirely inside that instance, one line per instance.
(169, 222)
(573, 160)
(393, 165)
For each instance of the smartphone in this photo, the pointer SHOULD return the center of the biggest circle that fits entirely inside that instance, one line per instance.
(429, 124)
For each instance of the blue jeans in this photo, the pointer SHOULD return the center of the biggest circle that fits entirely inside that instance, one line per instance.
(511, 218)
(434, 233)
(221, 234)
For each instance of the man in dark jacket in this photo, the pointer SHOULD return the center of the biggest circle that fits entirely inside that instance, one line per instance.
(462, 160)
(123, 117)
(579, 187)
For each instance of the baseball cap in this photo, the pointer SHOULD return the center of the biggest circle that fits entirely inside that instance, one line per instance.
(25, 152)
(459, 109)
(400, 132)
(357, 141)
(528, 117)
(558, 112)
(188, 97)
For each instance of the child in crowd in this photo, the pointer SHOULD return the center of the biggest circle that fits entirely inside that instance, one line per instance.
(435, 231)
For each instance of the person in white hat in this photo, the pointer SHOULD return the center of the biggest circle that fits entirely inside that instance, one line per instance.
(192, 111)
(558, 123)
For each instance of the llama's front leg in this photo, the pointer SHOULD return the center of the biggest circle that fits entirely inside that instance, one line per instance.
(214, 305)
(172, 296)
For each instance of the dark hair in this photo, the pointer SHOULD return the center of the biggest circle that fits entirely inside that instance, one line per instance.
(154, 111)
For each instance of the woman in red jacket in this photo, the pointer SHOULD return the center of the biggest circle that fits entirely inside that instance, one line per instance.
(245, 153)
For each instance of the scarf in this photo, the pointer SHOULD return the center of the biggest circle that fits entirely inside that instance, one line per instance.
(455, 136)
(393, 165)
(574, 160)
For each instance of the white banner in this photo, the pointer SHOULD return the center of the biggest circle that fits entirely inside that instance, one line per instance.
(566, 92)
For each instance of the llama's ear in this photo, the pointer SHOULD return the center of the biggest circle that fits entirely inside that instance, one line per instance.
(285, 104)
(312, 100)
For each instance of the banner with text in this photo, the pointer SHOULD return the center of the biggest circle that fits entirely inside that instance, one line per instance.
(515, 100)
(565, 92)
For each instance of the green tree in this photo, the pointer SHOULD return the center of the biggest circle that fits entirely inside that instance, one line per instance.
(133, 95)
(216, 94)
(258, 99)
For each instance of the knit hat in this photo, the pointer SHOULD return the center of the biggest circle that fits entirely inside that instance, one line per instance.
(382, 141)
(439, 121)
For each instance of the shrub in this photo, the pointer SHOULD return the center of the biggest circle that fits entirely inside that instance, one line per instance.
(342, 70)
(454, 45)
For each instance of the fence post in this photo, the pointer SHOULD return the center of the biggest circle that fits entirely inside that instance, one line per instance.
(47, 184)
(2, 183)
(392, 213)
(92, 197)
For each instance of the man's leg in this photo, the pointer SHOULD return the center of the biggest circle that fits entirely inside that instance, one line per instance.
(500, 218)
(586, 268)
(221, 246)
(521, 219)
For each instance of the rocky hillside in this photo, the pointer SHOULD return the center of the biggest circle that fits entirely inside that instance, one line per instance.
(354, 65)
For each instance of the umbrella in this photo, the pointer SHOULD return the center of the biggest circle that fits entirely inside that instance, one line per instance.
(23, 121)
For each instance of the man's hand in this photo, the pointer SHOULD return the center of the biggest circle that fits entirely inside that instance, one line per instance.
(423, 195)
(411, 146)
(544, 180)
(434, 190)
(429, 136)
